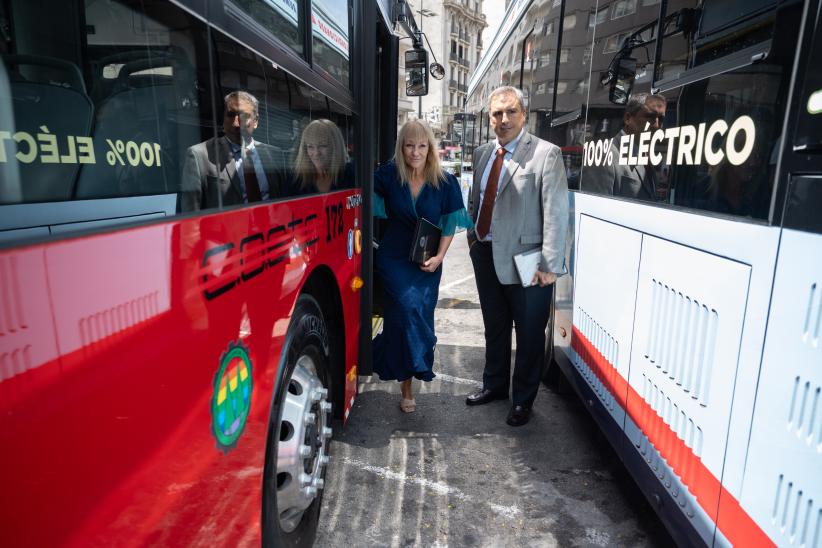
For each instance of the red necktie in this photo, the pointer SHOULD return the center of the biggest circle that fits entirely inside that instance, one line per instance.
(487, 209)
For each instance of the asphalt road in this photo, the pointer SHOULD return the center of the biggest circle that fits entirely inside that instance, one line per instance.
(450, 475)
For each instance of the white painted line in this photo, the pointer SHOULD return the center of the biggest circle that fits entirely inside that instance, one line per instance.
(458, 380)
(452, 284)
(438, 487)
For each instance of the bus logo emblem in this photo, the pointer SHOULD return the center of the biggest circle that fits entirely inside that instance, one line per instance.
(231, 401)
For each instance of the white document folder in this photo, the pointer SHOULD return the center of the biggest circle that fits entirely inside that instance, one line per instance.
(527, 264)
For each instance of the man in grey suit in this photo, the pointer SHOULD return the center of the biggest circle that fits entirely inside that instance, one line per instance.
(235, 168)
(644, 112)
(519, 203)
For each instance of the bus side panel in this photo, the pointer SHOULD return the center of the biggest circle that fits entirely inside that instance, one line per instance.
(113, 433)
(689, 317)
(604, 307)
(346, 255)
(726, 249)
(782, 489)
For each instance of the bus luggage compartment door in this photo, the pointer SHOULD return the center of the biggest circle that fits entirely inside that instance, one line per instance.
(687, 331)
(604, 312)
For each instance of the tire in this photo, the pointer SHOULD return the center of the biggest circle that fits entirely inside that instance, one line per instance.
(299, 432)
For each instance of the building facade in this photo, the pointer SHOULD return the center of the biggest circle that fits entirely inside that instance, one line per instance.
(454, 31)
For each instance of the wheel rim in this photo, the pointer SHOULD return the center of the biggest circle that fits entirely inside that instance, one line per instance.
(302, 451)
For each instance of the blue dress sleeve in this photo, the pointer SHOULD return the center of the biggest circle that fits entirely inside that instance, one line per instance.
(378, 207)
(454, 215)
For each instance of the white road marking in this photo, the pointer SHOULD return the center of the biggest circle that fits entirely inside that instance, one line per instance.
(437, 487)
(457, 282)
(458, 380)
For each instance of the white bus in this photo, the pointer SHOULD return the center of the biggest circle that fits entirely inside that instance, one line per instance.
(690, 323)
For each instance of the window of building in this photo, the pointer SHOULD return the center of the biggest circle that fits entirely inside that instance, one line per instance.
(569, 22)
(623, 8)
(598, 17)
(613, 42)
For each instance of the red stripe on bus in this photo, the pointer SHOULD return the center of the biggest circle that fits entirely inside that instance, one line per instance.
(737, 526)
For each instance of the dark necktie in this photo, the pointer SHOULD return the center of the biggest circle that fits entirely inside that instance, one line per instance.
(487, 209)
(252, 187)
(650, 180)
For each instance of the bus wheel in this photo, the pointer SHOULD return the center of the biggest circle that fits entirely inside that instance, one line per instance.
(299, 433)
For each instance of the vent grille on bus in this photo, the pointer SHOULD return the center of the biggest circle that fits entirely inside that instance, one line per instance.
(813, 317)
(682, 339)
(11, 299)
(608, 346)
(99, 326)
(805, 416)
(798, 516)
(681, 424)
(14, 358)
(15, 361)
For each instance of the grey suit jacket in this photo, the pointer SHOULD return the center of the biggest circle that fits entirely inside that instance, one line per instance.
(531, 209)
(210, 169)
(616, 179)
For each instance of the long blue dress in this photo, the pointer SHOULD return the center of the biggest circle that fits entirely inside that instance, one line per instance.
(405, 348)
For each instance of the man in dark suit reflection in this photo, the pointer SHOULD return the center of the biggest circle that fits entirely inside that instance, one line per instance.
(235, 168)
(644, 112)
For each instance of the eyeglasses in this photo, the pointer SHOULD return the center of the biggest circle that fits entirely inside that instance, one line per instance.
(649, 115)
(231, 114)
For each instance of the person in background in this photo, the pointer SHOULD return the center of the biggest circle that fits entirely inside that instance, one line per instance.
(644, 112)
(235, 168)
(519, 201)
(412, 186)
(321, 163)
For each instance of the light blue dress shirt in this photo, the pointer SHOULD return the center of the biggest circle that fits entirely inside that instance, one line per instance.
(509, 153)
(262, 181)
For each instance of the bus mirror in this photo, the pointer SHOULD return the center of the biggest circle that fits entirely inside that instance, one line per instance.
(623, 81)
(416, 72)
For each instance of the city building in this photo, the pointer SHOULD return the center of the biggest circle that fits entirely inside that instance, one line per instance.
(454, 32)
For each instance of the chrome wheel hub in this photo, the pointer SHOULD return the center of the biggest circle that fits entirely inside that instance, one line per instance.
(302, 452)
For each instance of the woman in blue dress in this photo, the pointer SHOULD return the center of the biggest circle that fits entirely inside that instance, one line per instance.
(411, 186)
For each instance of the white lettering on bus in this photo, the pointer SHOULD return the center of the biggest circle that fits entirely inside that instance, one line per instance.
(48, 148)
(683, 145)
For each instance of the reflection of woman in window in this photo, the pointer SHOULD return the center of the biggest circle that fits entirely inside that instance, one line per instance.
(321, 164)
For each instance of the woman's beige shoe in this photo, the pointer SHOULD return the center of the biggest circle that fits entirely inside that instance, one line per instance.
(408, 406)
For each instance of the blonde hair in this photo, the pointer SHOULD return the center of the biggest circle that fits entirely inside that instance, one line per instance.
(320, 131)
(419, 130)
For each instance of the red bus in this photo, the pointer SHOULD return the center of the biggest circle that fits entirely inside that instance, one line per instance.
(173, 351)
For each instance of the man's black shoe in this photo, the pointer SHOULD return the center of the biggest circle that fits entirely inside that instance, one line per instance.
(518, 415)
(483, 396)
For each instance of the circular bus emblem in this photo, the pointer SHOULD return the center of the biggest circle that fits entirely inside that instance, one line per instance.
(231, 401)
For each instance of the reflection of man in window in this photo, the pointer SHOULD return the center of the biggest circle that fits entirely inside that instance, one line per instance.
(644, 112)
(235, 168)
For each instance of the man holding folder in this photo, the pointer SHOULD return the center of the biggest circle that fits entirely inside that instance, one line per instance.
(519, 203)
